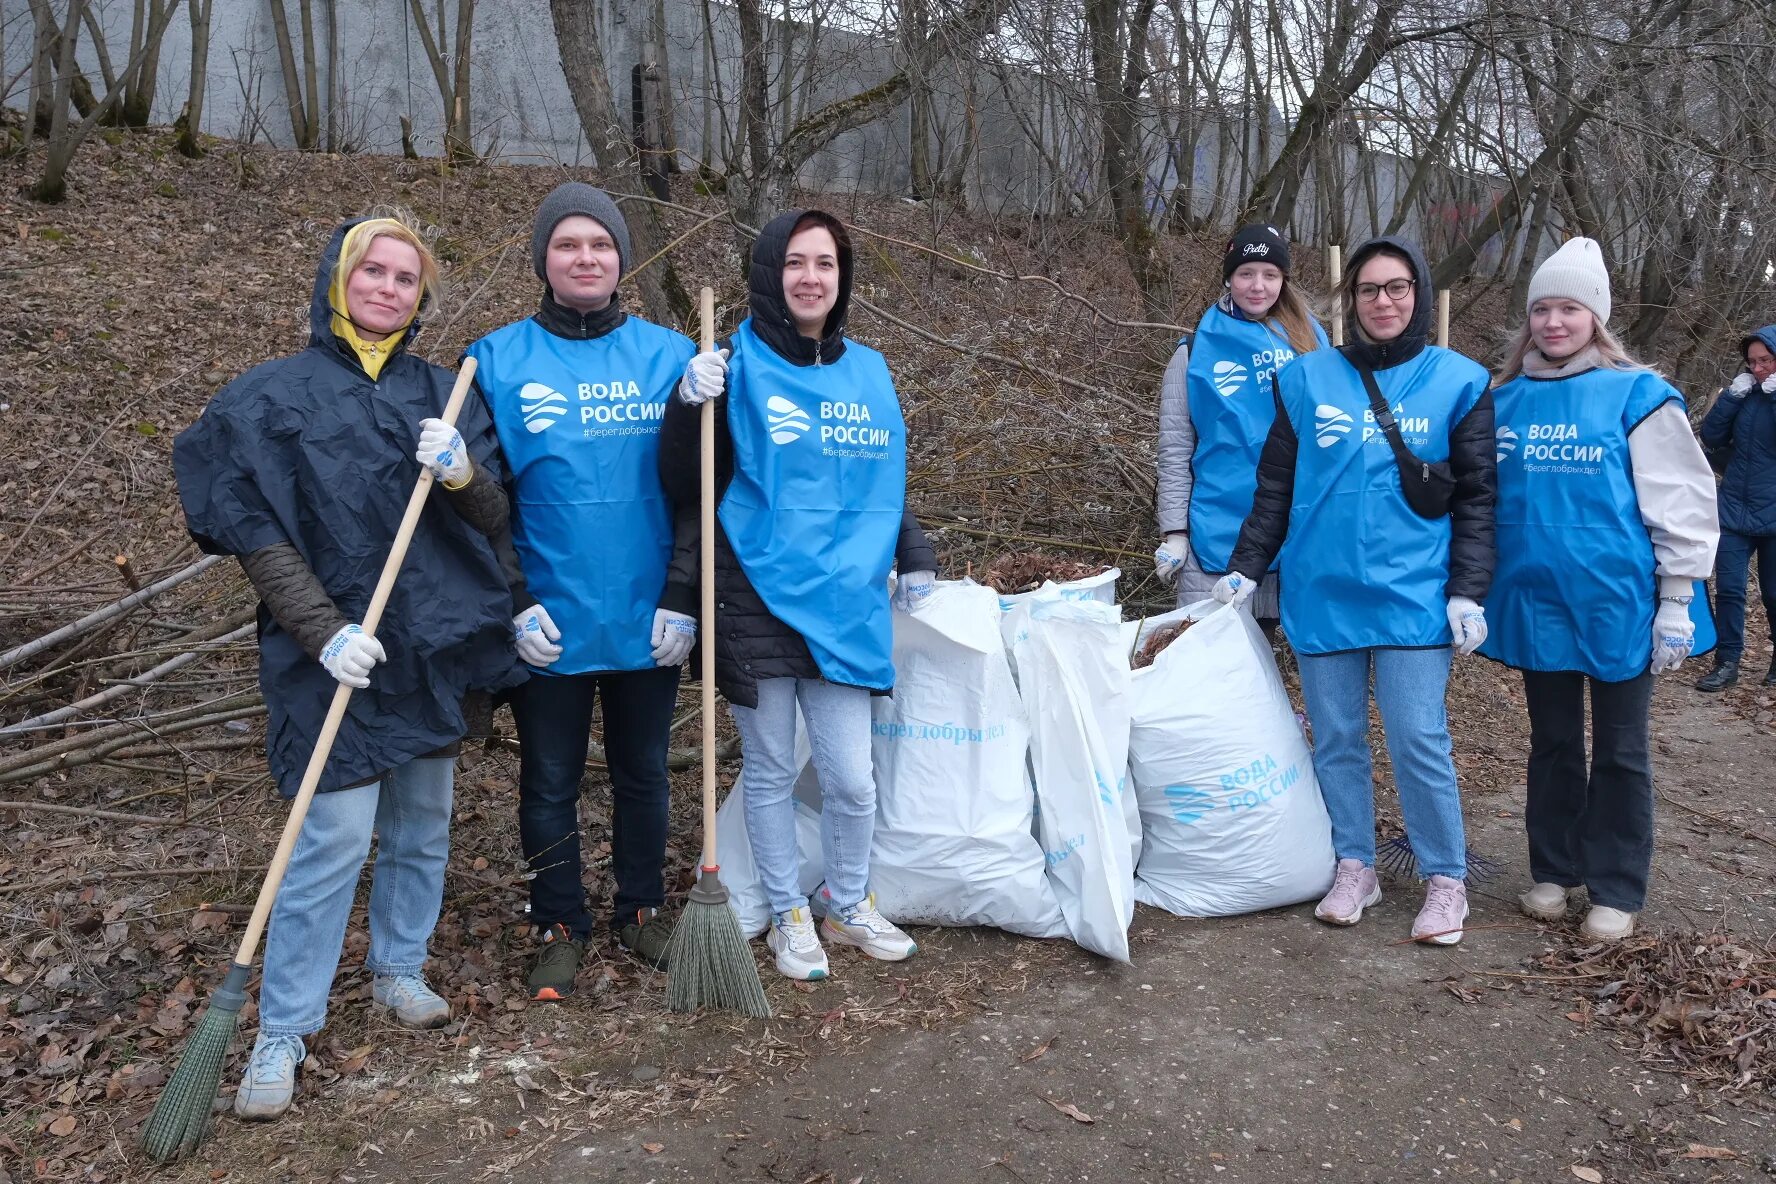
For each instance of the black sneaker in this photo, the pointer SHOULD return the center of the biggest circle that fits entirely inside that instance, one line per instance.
(1724, 675)
(645, 935)
(551, 977)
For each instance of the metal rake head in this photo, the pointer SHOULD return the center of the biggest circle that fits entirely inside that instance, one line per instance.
(1395, 860)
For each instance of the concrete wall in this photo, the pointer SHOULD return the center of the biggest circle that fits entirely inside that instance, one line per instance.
(1034, 151)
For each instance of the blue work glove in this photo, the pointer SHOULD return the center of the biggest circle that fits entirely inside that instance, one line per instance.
(1234, 588)
(1168, 560)
(674, 635)
(535, 636)
(913, 588)
(1467, 624)
(1674, 635)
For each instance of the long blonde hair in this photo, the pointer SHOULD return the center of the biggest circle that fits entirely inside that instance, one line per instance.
(1611, 353)
(1293, 312)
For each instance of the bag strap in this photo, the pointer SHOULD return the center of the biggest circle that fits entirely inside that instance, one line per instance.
(1378, 407)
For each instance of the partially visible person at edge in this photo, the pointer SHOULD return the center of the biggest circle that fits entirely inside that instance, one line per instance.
(1743, 422)
(801, 585)
(1216, 406)
(302, 467)
(1368, 584)
(1601, 539)
(577, 392)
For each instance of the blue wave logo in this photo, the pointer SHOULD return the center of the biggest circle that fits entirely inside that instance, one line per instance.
(1331, 425)
(541, 406)
(786, 421)
(1506, 442)
(1189, 804)
(1229, 377)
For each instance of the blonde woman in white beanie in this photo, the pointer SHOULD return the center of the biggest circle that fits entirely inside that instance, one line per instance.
(1606, 519)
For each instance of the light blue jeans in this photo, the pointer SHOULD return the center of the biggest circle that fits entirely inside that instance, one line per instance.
(1409, 690)
(409, 812)
(838, 721)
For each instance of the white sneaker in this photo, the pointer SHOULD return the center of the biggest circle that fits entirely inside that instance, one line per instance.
(862, 926)
(270, 1080)
(1603, 923)
(415, 1005)
(1544, 902)
(797, 946)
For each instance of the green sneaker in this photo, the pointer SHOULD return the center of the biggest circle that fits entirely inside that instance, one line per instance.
(646, 936)
(551, 977)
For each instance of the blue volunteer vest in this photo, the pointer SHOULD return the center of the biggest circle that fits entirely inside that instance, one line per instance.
(1575, 587)
(813, 512)
(1360, 569)
(1231, 409)
(579, 423)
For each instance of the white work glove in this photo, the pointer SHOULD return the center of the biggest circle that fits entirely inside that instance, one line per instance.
(535, 635)
(1740, 386)
(913, 588)
(1768, 386)
(442, 451)
(705, 377)
(1168, 560)
(1235, 589)
(1467, 624)
(1674, 636)
(350, 654)
(674, 635)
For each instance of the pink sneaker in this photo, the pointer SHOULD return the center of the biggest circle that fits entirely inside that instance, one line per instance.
(1354, 888)
(1445, 908)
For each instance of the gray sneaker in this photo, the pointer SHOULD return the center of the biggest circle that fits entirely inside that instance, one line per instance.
(270, 1080)
(415, 1005)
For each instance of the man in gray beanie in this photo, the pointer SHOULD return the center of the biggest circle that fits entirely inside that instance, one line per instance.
(577, 392)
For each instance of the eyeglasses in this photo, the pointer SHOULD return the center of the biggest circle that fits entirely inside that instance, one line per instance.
(1396, 290)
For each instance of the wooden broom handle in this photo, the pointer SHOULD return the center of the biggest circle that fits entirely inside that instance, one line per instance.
(706, 580)
(317, 761)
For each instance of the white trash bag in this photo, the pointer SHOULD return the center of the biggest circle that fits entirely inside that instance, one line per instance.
(1073, 679)
(953, 840)
(1231, 811)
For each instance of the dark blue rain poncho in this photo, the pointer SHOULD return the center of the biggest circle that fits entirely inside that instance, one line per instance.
(1746, 428)
(308, 450)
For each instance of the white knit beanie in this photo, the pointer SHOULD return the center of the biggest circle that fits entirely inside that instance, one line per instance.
(1575, 272)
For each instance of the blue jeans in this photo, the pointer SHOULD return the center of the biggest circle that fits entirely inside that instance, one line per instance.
(838, 721)
(1732, 572)
(1409, 689)
(554, 718)
(409, 811)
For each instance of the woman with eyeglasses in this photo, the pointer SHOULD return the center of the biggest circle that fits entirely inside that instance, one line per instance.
(1377, 581)
(1215, 408)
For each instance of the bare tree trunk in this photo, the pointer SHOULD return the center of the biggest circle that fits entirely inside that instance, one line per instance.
(145, 39)
(191, 119)
(450, 72)
(912, 37)
(582, 61)
(52, 184)
(301, 130)
(1118, 76)
(335, 100)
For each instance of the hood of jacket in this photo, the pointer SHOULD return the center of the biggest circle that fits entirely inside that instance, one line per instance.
(770, 311)
(1765, 336)
(1409, 344)
(321, 308)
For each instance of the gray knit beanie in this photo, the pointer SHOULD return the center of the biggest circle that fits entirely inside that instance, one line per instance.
(566, 200)
(1575, 272)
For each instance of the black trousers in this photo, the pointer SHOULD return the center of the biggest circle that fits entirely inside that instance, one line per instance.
(1590, 827)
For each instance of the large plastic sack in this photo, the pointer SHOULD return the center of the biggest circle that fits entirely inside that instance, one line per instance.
(1014, 627)
(1074, 680)
(953, 841)
(1232, 813)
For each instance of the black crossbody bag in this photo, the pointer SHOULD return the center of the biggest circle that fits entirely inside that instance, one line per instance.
(1429, 485)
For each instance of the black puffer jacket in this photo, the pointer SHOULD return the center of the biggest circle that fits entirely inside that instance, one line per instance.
(1472, 454)
(750, 643)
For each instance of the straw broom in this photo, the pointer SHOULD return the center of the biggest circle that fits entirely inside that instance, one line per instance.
(181, 1117)
(708, 963)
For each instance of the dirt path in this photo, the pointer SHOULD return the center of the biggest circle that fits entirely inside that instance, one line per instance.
(1271, 1047)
